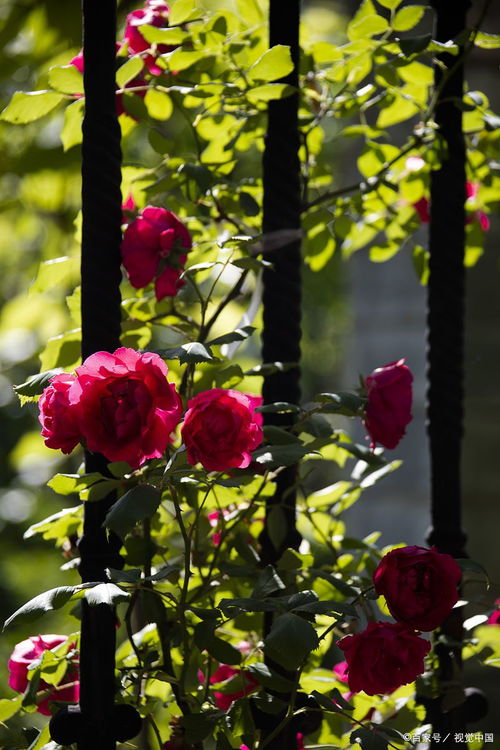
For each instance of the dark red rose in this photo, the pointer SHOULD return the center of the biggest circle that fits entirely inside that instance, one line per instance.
(221, 429)
(155, 247)
(58, 414)
(28, 651)
(419, 585)
(494, 618)
(383, 657)
(79, 64)
(388, 410)
(128, 409)
(423, 208)
(154, 13)
(224, 673)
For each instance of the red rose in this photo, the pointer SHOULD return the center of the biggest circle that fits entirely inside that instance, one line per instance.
(221, 429)
(155, 13)
(29, 651)
(419, 585)
(423, 208)
(154, 246)
(58, 414)
(494, 618)
(79, 63)
(127, 408)
(383, 657)
(389, 403)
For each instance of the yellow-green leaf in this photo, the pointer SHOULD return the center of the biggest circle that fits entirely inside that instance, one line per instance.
(274, 63)
(30, 106)
(407, 18)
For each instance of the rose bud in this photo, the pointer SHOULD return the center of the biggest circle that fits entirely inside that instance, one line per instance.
(388, 410)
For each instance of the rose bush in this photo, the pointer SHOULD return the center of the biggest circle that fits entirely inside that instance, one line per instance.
(388, 410)
(155, 246)
(221, 428)
(121, 404)
(383, 657)
(28, 651)
(419, 585)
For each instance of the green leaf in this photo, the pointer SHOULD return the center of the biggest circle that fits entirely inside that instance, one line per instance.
(181, 11)
(158, 104)
(268, 92)
(49, 600)
(62, 351)
(487, 41)
(67, 484)
(42, 740)
(71, 133)
(66, 78)
(367, 27)
(250, 11)
(30, 106)
(135, 505)
(35, 385)
(273, 456)
(9, 707)
(248, 604)
(65, 523)
(181, 59)
(413, 45)
(390, 3)
(406, 18)
(268, 583)
(55, 272)
(473, 566)
(421, 257)
(269, 678)
(155, 35)
(248, 204)
(206, 640)
(325, 702)
(105, 593)
(239, 334)
(340, 700)
(274, 63)
(128, 71)
(198, 726)
(192, 353)
(279, 407)
(279, 436)
(290, 641)
(348, 404)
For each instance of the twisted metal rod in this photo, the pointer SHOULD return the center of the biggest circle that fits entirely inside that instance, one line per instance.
(445, 352)
(282, 306)
(98, 723)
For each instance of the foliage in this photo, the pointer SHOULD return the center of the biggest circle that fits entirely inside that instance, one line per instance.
(194, 589)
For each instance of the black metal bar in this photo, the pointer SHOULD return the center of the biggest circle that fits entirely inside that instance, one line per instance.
(100, 268)
(282, 302)
(282, 284)
(93, 727)
(445, 321)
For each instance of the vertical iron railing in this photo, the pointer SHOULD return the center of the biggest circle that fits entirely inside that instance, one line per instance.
(445, 320)
(282, 283)
(282, 300)
(98, 723)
